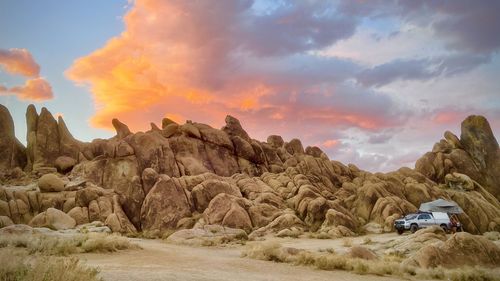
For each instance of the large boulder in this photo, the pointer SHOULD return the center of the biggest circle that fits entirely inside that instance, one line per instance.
(204, 192)
(50, 183)
(64, 164)
(164, 205)
(54, 219)
(230, 211)
(459, 250)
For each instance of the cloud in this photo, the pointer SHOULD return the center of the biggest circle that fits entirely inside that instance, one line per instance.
(273, 65)
(203, 60)
(36, 89)
(19, 61)
(420, 69)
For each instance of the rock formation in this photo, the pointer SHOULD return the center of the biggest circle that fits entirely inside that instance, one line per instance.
(12, 152)
(191, 175)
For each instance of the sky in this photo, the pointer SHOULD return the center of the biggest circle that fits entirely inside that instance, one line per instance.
(374, 83)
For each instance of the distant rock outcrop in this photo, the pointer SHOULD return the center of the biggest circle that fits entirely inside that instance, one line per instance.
(476, 154)
(194, 176)
(12, 152)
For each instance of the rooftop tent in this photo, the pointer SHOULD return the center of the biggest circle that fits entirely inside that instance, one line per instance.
(441, 205)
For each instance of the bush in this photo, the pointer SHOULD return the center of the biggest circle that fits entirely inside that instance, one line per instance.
(18, 266)
(63, 246)
(347, 242)
(367, 241)
(387, 266)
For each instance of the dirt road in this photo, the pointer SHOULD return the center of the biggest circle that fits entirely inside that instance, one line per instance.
(161, 261)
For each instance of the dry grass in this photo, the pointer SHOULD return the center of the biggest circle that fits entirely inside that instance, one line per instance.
(17, 265)
(347, 242)
(272, 251)
(367, 241)
(492, 235)
(36, 257)
(63, 246)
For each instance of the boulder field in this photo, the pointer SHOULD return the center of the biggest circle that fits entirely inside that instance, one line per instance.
(193, 176)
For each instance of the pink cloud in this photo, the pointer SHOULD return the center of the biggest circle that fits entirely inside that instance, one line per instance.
(203, 60)
(36, 89)
(19, 61)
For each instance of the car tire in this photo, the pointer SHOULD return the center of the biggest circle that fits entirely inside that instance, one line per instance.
(400, 231)
(413, 228)
(445, 229)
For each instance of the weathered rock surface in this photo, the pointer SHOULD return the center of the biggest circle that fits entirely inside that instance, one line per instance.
(164, 206)
(459, 250)
(192, 175)
(208, 235)
(50, 183)
(476, 154)
(54, 219)
(12, 152)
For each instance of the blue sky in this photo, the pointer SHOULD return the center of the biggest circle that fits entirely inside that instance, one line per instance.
(56, 33)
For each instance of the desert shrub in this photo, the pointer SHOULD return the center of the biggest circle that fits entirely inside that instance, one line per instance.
(367, 241)
(305, 258)
(330, 261)
(18, 266)
(268, 251)
(97, 242)
(394, 256)
(63, 246)
(473, 274)
(328, 250)
(492, 235)
(347, 242)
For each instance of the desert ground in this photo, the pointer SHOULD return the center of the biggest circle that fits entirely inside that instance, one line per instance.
(160, 260)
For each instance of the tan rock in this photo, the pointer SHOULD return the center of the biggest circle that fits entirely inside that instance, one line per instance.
(228, 210)
(80, 215)
(54, 219)
(5, 221)
(164, 206)
(50, 183)
(204, 192)
(459, 250)
(64, 164)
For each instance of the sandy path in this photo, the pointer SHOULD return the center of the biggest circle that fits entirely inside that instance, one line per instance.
(161, 261)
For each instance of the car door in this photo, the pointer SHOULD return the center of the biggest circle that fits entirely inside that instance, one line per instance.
(424, 220)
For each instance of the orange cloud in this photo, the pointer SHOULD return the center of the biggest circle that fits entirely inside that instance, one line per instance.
(36, 89)
(19, 61)
(330, 143)
(206, 59)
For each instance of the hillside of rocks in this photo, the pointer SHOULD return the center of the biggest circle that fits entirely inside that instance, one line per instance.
(184, 176)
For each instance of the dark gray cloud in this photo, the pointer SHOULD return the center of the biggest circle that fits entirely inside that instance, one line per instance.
(420, 69)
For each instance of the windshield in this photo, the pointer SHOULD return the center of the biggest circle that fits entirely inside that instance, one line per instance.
(410, 217)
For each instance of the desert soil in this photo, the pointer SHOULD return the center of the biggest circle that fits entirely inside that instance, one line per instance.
(159, 260)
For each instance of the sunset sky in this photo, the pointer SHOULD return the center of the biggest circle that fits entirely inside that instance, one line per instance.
(374, 83)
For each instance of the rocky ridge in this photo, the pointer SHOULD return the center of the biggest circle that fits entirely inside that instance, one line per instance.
(184, 176)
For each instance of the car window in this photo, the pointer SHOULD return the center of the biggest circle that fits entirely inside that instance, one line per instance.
(410, 217)
(424, 217)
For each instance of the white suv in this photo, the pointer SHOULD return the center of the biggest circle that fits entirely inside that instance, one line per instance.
(413, 222)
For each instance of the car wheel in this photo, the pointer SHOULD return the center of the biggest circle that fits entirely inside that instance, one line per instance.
(413, 228)
(400, 231)
(445, 229)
